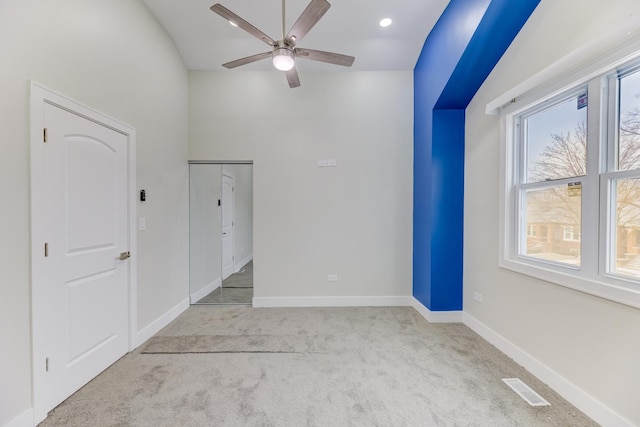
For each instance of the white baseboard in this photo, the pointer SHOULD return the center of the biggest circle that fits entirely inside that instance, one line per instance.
(242, 263)
(25, 419)
(592, 407)
(198, 295)
(162, 321)
(436, 316)
(390, 301)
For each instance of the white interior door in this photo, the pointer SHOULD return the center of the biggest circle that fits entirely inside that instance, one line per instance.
(227, 225)
(80, 279)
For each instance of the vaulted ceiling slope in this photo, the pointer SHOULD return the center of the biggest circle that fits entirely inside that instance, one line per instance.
(206, 41)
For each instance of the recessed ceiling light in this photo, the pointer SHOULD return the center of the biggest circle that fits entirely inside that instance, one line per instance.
(385, 22)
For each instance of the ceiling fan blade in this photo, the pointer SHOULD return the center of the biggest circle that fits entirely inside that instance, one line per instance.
(309, 17)
(247, 60)
(235, 19)
(330, 57)
(292, 78)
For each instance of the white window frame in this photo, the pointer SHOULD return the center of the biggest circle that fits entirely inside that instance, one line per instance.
(607, 178)
(593, 275)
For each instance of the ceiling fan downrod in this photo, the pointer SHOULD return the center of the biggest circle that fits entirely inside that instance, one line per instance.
(283, 21)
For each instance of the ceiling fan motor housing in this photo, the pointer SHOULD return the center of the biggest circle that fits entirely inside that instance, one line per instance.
(283, 58)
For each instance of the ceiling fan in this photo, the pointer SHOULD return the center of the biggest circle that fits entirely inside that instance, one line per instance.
(284, 52)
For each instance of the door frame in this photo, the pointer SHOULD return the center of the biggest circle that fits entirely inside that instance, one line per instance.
(222, 163)
(38, 97)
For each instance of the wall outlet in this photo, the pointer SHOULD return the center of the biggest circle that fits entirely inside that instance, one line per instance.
(322, 163)
(477, 296)
(332, 163)
(333, 277)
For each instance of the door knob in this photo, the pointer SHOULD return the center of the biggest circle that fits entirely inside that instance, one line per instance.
(124, 255)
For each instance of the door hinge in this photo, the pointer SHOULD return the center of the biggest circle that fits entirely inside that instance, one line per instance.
(44, 135)
(219, 202)
(46, 364)
(46, 249)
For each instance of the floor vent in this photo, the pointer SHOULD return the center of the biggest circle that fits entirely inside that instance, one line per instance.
(525, 392)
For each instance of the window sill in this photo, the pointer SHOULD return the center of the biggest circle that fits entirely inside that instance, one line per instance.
(612, 289)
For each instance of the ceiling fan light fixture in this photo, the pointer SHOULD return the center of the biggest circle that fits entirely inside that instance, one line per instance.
(283, 52)
(283, 58)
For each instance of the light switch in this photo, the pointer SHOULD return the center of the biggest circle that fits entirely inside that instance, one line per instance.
(332, 163)
(142, 224)
(322, 163)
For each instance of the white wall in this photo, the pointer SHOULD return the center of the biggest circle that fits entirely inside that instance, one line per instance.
(243, 212)
(591, 342)
(113, 56)
(353, 220)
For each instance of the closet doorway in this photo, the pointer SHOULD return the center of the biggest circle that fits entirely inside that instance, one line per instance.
(221, 233)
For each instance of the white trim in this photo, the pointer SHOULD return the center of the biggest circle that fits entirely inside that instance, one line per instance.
(244, 262)
(38, 96)
(436, 316)
(389, 301)
(507, 189)
(25, 419)
(198, 295)
(133, 240)
(378, 301)
(162, 321)
(611, 291)
(592, 407)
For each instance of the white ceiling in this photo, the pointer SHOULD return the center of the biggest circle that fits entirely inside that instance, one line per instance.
(205, 40)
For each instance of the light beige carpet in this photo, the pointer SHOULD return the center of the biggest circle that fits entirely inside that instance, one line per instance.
(348, 367)
(230, 344)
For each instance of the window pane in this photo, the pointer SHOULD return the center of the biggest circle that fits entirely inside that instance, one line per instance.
(556, 141)
(629, 126)
(626, 248)
(553, 223)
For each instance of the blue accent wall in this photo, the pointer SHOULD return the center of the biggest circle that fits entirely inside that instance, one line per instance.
(465, 44)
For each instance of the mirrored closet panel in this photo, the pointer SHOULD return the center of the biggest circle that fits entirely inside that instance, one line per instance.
(221, 233)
